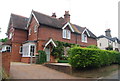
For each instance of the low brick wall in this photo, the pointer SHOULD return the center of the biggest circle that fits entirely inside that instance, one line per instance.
(28, 59)
(6, 59)
(61, 68)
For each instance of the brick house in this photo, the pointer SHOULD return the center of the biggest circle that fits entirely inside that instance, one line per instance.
(28, 35)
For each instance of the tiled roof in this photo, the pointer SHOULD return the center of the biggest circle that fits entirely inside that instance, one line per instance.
(47, 20)
(110, 38)
(18, 21)
(80, 29)
(58, 23)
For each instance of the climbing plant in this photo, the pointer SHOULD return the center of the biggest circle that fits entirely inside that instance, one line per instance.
(58, 52)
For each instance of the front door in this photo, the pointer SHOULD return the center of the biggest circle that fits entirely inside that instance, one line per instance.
(47, 51)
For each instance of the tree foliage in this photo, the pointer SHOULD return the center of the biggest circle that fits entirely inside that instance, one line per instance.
(3, 40)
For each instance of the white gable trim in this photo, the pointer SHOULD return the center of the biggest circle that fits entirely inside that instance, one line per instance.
(50, 41)
(86, 31)
(31, 18)
(68, 24)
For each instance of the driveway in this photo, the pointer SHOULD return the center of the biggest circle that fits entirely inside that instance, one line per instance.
(27, 71)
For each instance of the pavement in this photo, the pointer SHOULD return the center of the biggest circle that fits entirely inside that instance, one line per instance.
(34, 71)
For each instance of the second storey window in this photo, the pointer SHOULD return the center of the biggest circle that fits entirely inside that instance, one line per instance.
(10, 35)
(66, 34)
(84, 38)
(30, 31)
(35, 28)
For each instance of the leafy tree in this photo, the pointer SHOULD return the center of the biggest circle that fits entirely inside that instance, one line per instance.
(3, 40)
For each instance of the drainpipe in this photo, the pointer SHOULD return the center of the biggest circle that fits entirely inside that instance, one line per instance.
(31, 59)
(76, 39)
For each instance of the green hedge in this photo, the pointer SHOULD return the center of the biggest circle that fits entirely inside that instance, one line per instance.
(62, 61)
(41, 57)
(87, 57)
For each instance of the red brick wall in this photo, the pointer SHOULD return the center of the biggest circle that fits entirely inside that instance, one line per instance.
(6, 56)
(15, 55)
(47, 32)
(19, 36)
(27, 59)
(33, 35)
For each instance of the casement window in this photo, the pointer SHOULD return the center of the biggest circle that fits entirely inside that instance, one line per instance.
(32, 50)
(21, 49)
(30, 31)
(8, 49)
(66, 34)
(10, 35)
(84, 38)
(28, 50)
(35, 28)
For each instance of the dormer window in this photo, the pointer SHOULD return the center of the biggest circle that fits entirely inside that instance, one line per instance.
(35, 28)
(84, 38)
(66, 34)
(30, 31)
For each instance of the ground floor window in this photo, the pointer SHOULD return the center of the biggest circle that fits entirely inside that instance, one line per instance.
(28, 50)
(21, 49)
(32, 50)
(8, 49)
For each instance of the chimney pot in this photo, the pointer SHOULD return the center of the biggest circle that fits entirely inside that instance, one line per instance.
(54, 15)
(67, 16)
(108, 33)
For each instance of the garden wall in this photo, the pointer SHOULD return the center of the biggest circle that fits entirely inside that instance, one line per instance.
(6, 57)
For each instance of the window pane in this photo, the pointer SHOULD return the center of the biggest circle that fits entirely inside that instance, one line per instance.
(64, 33)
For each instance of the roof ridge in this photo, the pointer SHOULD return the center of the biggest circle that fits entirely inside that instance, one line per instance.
(46, 15)
(18, 15)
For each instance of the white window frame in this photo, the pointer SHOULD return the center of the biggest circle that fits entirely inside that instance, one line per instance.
(84, 38)
(35, 28)
(30, 31)
(9, 48)
(27, 47)
(66, 34)
(21, 48)
(10, 35)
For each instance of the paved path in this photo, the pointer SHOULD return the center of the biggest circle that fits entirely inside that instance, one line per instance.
(114, 75)
(34, 71)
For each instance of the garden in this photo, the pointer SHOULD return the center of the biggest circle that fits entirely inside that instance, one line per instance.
(86, 59)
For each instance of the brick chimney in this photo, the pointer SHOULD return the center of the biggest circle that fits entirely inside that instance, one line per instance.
(67, 16)
(54, 15)
(108, 32)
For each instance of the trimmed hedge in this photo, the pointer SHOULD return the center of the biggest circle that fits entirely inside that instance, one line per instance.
(87, 57)
(63, 61)
(41, 57)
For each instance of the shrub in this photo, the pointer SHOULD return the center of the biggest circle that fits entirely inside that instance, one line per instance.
(92, 46)
(62, 61)
(41, 57)
(87, 57)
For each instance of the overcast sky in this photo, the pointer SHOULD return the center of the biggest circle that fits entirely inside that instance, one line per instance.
(96, 15)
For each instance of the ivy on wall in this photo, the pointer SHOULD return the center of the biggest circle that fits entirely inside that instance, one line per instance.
(58, 52)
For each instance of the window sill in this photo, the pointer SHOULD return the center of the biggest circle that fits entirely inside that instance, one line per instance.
(84, 42)
(66, 38)
(28, 56)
